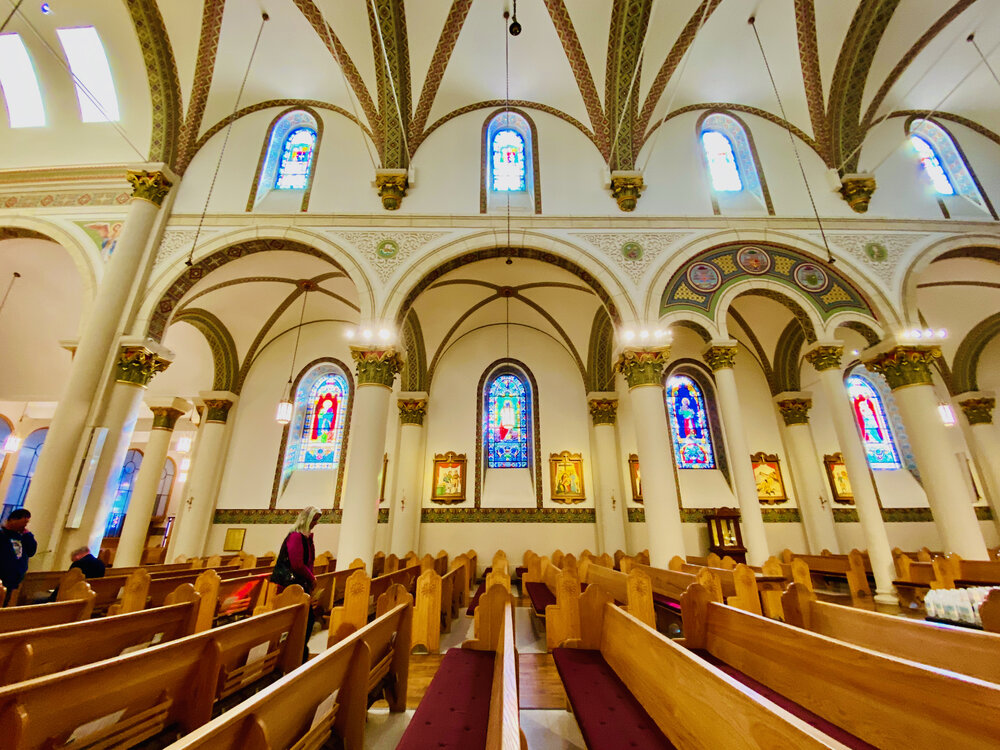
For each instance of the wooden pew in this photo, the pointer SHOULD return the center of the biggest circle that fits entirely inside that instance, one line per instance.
(78, 605)
(914, 580)
(954, 572)
(436, 605)
(880, 699)
(406, 578)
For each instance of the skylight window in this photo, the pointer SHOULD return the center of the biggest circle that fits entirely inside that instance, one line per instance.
(19, 84)
(95, 88)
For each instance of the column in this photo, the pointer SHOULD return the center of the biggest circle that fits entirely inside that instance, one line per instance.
(985, 443)
(376, 370)
(721, 356)
(907, 370)
(610, 519)
(194, 517)
(643, 371)
(136, 366)
(407, 504)
(826, 359)
(815, 507)
(136, 526)
(55, 470)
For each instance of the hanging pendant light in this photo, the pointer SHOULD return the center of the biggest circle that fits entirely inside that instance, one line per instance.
(283, 415)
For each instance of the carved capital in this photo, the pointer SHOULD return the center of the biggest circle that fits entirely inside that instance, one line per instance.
(392, 185)
(165, 417)
(825, 357)
(149, 186)
(795, 410)
(643, 366)
(138, 365)
(978, 410)
(603, 410)
(905, 365)
(217, 409)
(721, 357)
(626, 188)
(412, 410)
(857, 190)
(376, 366)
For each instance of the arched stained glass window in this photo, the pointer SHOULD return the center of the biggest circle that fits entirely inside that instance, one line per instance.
(932, 166)
(876, 432)
(27, 459)
(510, 171)
(284, 176)
(164, 488)
(721, 162)
(506, 422)
(689, 429)
(296, 160)
(316, 432)
(126, 483)
(942, 162)
(508, 160)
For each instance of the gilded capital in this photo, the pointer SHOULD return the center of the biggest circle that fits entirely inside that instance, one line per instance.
(857, 190)
(392, 185)
(905, 365)
(978, 410)
(721, 357)
(376, 366)
(825, 357)
(625, 188)
(643, 366)
(603, 410)
(138, 365)
(412, 410)
(795, 410)
(149, 186)
(165, 417)
(217, 409)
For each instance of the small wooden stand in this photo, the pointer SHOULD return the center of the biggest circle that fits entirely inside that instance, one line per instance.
(724, 534)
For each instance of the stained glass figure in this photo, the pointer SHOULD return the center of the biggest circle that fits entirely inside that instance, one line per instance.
(721, 162)
(869, 411)
(508, 160)
(932, 166)
(296, 160)
(316, 432)
(689, 424)
(506, 424)
(126, 482)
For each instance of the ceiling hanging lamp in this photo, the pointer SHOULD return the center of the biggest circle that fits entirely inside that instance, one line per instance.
(286, 406)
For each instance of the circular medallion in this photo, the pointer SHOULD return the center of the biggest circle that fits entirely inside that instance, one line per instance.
(810, 277)
(704, 277)
(632, 251)
(753, 260)
(387, 249)
(876, 251)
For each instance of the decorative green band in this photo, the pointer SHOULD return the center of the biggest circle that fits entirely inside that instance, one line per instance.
(138, 365)
(149, 186)
(825, 357)
(508, 515)
(905, 365)
(376, 366)
(721, 357)
(165, 417)
(979, 410)
(697, 515)
(412, 410)
(268, 515)
(642, 366)
(795, 410)
(603, 411)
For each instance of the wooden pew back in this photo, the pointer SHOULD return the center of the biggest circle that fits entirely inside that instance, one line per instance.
(55, 613)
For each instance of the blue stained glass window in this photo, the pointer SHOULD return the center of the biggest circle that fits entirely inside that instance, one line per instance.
(24, 470)
(932, 166)
(508, 160)
(869, 411)
(721, 162)
(296, 160)
(689, 424)
(506, 422)
(316, 433)
(126, 482)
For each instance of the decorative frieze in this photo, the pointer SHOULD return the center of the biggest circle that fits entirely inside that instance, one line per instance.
(149, 186)
(376, 366)
(978, 410)
(412, 410)
(825, 357)
(138, 365)
(795, 410)
(603, 410)
(721, 357)
(903, 366)
(643, 366)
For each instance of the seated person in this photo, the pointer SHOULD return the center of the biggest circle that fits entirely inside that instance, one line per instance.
(89, 565)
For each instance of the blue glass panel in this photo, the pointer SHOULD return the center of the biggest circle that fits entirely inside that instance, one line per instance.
(508, 160)
(126, 482)
(296, 160)
(869, 411)
(689, 424)
(506, 424)
(721, 162)
(932, 166)
(320, 419)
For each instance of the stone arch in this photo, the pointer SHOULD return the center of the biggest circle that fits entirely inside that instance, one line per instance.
(225, 359)
(796, 303)
(964, 371)
(787, 361)
(82, 252)
(600, 353)
(414, 376)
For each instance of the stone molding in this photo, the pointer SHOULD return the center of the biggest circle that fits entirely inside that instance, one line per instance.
(643, 366)
(603, 411)
(721, 356)
(137, 365)
(412, 410)
(978, 410)
(376, 366)
(149, 186)
(903, 366)
(825, 357)
(795, 410)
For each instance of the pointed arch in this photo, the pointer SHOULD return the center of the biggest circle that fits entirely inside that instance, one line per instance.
(509, 163)
(944, 166)
(731, 160)
(288, 156)
(695, 373)
(600, 375)
(874, 425)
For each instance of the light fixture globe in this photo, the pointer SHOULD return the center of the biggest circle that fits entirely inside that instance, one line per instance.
(284, 412)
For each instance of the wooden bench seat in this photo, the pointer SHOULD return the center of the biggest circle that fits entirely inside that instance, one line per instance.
(78, 605)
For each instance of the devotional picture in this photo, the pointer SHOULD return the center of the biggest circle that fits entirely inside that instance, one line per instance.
(449, 478)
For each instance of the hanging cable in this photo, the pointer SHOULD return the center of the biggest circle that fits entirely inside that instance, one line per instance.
(286, 405)
(14, 277)
(972, 40)
(298, 335)
(791, 138)
(506, 113)
(225, 141)
(388, 72)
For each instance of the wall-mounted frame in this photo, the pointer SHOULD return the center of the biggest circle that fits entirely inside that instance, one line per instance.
(234, 540)
(840, 483)
(767, 475)
(566, 475)
(635, 477)
(449, 478)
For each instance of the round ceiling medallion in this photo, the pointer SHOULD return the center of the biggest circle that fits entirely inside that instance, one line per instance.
(387, 249)
(810, 277)
(704, 277)
(753, 260)
(632, 251)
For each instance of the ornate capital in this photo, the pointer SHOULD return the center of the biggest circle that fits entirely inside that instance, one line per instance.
(721, 357)
(165, 417)
(625, 188)
(905, 365)
(217, 409)
(149, 186)
(376, 366)
(138, 365)
(825, 357)
(603, 410)
(857, 190)
(978, 410)
(795, 410)
(412, 410)
(392, 185)
(643, 366)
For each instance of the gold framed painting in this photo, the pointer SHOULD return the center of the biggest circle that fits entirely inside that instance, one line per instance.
(234, 540)
(767, 475)
(449, 478)
(635, 476)
(566, 475)
(840, 483)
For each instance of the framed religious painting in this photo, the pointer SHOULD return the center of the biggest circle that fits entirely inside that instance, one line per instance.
(566, 474)
(840, 484)
(635, 476)
(767, 475)
(449, 478)
(234, 540)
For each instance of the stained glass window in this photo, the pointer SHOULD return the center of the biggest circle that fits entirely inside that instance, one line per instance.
(869, 411)
(932, 166)
(164, 488)
(721, 162)
(27, 459)
(126, 483)
(506, 424)
(508, 160)
(296, 160)
(316, 433)
(689, 424)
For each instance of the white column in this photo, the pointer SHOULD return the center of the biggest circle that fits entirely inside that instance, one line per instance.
(810, 490)
(643, 370)
(376, 370)
(907, 370)
(54, 471)
(194, 517)
(404, 516)
(826, 359)
(721, 356)
(147, 481)
(608, 505)
(985, 444)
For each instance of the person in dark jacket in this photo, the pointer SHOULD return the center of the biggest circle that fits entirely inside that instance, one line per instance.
(295, 561)
(89, 565)
(17, 544)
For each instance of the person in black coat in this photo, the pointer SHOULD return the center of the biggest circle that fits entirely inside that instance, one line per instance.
(17, 544)
(89, 565)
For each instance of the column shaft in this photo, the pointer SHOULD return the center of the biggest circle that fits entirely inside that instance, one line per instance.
(986, 443)
(609, 514)
(406, 506)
